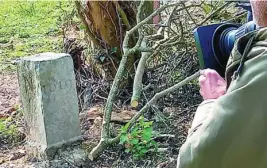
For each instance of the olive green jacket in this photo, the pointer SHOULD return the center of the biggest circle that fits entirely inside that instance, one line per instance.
(231, 131)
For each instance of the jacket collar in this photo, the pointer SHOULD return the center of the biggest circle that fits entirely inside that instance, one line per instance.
(238, 50)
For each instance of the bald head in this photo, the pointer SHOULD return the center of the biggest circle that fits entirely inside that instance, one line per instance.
(259, 10)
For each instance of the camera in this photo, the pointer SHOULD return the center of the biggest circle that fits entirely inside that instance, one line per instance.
(215, 42)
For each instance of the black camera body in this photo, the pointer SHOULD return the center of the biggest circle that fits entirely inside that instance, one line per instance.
(215, 42)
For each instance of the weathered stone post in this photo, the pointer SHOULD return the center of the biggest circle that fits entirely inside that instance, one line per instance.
(49, 99)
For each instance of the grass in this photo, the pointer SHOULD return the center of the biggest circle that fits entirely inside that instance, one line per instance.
(9, 132)
(32, 26)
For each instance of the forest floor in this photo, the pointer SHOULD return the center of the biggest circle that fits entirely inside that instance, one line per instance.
(26, 29)
(173, 121)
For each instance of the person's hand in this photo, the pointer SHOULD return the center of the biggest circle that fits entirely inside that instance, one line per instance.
(212, 85)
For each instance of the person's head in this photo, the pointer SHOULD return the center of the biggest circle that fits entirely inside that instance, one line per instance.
(259, 10)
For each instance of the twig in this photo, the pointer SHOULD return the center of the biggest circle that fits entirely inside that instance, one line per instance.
(236, 17)
(146, 87)
(213, 13)
(170, 16)
(161, 150)
(67, 160)
(139, 11)
(146, 20)
(188, 13)
(164, 136)
(156, 36)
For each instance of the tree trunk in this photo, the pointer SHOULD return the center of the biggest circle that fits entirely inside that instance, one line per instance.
(106, 24)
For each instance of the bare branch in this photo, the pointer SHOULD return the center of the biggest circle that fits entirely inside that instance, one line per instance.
(188, 13)
(213, 13)
(142, 111)
(139, 10)
(137, 86)
(170, 17)
(163, 93)
(146, 20)
(108, 108)
(147, 53)
(114, 88)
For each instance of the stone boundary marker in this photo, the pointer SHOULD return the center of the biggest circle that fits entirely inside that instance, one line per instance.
(49, 99)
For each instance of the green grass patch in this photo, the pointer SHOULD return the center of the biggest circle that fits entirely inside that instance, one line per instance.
(8, 131)
(32, 26)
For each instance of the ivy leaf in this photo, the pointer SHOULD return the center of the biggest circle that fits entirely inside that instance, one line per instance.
(141, 120)
(136, 156)
(148, 124)
(143, 151)
(207, 8)
(139, 147)
(127, 125)
(154, 143)
(134, 131)
(123, 138)
(127, 150)
(82, 27)
(147, 133)
(115, 49)
(102, 58)
(124, 128)
(134, 141)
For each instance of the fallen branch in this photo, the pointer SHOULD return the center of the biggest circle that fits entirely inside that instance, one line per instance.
(137, 86)
(105, 138)
(156, 97)
(106, 142)
(188, 13)
(161, 94)
(101, 146)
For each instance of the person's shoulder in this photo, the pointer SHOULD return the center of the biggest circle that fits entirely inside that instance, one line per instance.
(257, 47)
(261, 34)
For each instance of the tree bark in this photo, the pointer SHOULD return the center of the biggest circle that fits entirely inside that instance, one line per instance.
(106, 23)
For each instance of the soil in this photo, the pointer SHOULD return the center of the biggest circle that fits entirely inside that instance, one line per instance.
(173, 121)
(9, 91)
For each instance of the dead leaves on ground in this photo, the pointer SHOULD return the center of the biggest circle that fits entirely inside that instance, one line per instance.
(17, 155)
(93, 118)
(123, 116)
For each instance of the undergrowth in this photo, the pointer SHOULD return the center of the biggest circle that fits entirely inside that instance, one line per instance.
(9, 127)
(139, 140)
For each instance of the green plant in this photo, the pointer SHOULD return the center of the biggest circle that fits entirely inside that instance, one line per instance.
(10, 125)
(8, 131)
(139, 140)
